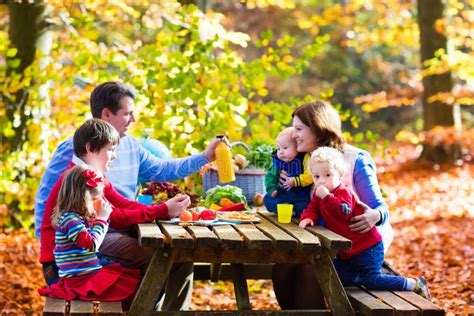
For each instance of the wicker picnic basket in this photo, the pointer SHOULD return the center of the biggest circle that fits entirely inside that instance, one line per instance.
(250, 180)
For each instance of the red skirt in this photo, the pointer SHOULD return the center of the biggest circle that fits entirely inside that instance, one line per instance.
(111, 283)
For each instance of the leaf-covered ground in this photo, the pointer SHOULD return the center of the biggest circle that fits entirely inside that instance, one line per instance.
(432, 211)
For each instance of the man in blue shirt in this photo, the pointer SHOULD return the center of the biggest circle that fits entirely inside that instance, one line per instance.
(114, 102)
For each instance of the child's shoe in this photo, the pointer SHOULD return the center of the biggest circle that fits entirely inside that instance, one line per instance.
(421, 288)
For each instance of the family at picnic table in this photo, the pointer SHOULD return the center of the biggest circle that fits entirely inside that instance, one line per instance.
(86, 213)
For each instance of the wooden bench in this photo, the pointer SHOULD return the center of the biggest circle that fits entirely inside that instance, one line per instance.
(364, 302)
(56, 307)
(390, 302)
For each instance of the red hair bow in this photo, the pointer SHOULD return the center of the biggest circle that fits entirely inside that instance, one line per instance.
(92, 179)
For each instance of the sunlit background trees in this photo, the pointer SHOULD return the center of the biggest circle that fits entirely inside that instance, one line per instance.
(202, 67)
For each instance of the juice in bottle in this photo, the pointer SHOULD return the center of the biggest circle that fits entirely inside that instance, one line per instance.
(225, 169)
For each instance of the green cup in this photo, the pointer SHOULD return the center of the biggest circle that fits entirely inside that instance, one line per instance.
(284, 212)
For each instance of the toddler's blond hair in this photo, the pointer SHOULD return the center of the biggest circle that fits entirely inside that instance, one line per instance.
(330, 155)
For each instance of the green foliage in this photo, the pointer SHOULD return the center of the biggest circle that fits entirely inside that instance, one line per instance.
(196, 79)
(260, 154)
(192, 83)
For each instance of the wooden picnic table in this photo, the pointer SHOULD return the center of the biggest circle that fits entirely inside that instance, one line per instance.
(265, 242)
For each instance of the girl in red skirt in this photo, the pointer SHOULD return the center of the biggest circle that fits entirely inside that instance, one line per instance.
(81, 223)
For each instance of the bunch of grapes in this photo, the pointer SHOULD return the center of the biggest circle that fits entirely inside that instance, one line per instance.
(163, 191)
(154, 188)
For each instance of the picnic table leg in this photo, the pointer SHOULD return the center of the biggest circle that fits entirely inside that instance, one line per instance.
(152, 284)
(240, 286)
(215, 271)
(331, 285)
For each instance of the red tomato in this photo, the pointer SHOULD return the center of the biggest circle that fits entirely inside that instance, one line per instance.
(208, 215)
(196, 215)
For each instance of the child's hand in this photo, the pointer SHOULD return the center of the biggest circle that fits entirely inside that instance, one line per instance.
(289, 183)
(321, 192)
(283, 177)
(177, 204)
(305, 222)
(274, 194)
(90, 216)
(104, 210)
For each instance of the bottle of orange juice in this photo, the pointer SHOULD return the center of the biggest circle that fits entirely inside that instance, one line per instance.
(225, 170)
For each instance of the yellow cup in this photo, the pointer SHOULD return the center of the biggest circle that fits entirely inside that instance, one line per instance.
(284, 212)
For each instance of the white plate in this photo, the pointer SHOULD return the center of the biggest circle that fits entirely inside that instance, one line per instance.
(199, 222)
(239, 221)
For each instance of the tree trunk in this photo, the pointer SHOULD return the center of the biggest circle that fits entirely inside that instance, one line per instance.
(27, 33)
(435, 113)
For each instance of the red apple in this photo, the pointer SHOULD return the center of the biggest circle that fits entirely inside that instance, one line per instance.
(258, 199)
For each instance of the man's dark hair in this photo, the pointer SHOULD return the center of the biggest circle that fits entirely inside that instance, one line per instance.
(108, 95)
(97, 134)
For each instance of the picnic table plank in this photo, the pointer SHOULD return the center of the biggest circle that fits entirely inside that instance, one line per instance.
(54, 307)
(244, 255)
(81, 308)
(280, 238)
(400, 306)
(297, 312)
(110, 308)
(229, 238)
(176, 236)
(426, 306)
(203, 236)
(306, 240)
(204, 271)
(330, 239)
(366, 303)
(150, 235)
(152, 283)
(253, 238)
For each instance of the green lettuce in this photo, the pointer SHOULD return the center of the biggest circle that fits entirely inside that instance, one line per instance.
(260, 155)
(214, 195)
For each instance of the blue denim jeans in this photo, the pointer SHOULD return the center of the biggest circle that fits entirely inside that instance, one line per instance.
(366, 269)
(299, 197)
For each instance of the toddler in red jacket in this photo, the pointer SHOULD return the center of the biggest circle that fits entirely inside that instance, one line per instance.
(336, 204)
